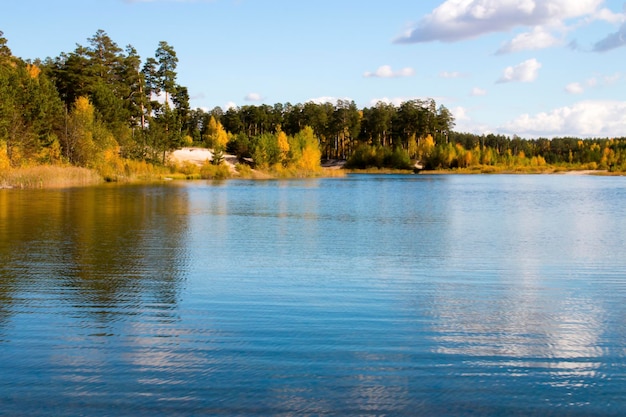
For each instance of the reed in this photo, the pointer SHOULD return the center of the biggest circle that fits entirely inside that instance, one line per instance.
(48, 176)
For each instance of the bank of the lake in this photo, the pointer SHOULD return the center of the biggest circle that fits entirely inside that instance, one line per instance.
(195, 164)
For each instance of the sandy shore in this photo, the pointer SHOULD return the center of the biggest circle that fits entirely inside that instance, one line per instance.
(200, 156)
(584, 172)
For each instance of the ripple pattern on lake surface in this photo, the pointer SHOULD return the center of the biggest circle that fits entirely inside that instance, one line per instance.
(367, 295)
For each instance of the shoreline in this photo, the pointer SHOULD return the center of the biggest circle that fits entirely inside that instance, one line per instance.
(48, 176)
(519, 172)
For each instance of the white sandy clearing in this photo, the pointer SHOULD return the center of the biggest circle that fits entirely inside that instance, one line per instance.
(200, 156)
(584, 172)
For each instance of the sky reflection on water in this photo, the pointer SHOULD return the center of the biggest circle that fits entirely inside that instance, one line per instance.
(370, 295)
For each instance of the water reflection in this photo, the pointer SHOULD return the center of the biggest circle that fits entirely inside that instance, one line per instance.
(106, 252)
(399, 295)
(532, 294)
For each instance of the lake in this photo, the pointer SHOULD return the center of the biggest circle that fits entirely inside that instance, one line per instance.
(367, 295)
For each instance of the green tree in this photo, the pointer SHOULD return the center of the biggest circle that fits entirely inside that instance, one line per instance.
(166, 71)
(160, 81)
(30, 110)
(5, 52)
(265, 150)
(377, 123)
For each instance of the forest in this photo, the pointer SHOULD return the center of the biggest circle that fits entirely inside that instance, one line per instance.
(104, 109)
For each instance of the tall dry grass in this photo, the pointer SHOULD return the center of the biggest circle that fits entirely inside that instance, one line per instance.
(48, 176)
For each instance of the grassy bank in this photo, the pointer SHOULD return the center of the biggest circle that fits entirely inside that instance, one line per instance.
(52, 176)
(48, 176)
(505, 169)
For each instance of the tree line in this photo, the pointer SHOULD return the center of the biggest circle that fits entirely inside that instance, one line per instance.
(101, 105)
(81, 105)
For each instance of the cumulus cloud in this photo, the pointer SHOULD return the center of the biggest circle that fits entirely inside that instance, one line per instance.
(465, 123)
(397, 101)
(574, 88)
(253, 97)
(538, 38)
(592, 118)
(526, 72)
(386, 72)
(478, 92)
(327, 99)
(460, 114)
(456, 20)
(612, 41)
(608, 16)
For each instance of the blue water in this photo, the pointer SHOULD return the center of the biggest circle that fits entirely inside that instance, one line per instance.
(367, 295)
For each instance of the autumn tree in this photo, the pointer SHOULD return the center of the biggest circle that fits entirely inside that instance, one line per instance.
(87, 138)
(283, 144)
(425, 147)
(216, 136)
(304, 150)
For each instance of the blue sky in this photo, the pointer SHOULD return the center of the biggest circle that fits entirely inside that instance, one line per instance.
(526, 67)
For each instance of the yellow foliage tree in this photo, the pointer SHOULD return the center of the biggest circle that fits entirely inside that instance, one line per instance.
(216, 135)
(310, 154)
(86, 137)
(222, 137)
(463, 157)
(425, 147)
(283, 144)
(468, 159)
(33, 70)
(487, 157)
(78, 145)
(412, 148)
(5, 162)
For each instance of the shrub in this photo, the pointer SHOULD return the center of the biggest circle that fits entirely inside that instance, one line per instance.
(209, 171)
(366, 156)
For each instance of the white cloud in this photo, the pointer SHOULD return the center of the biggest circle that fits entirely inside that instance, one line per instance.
(230, 105)
(253, 97)
(457, 20)
(538, 38)
(526, 72)
(478, 92)
(460, 114)
(397, 101)
(386, 72)
(574, 88)
(608, 16)
(593, 118)
(327, 99)
(465, 123)
(452, 74)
